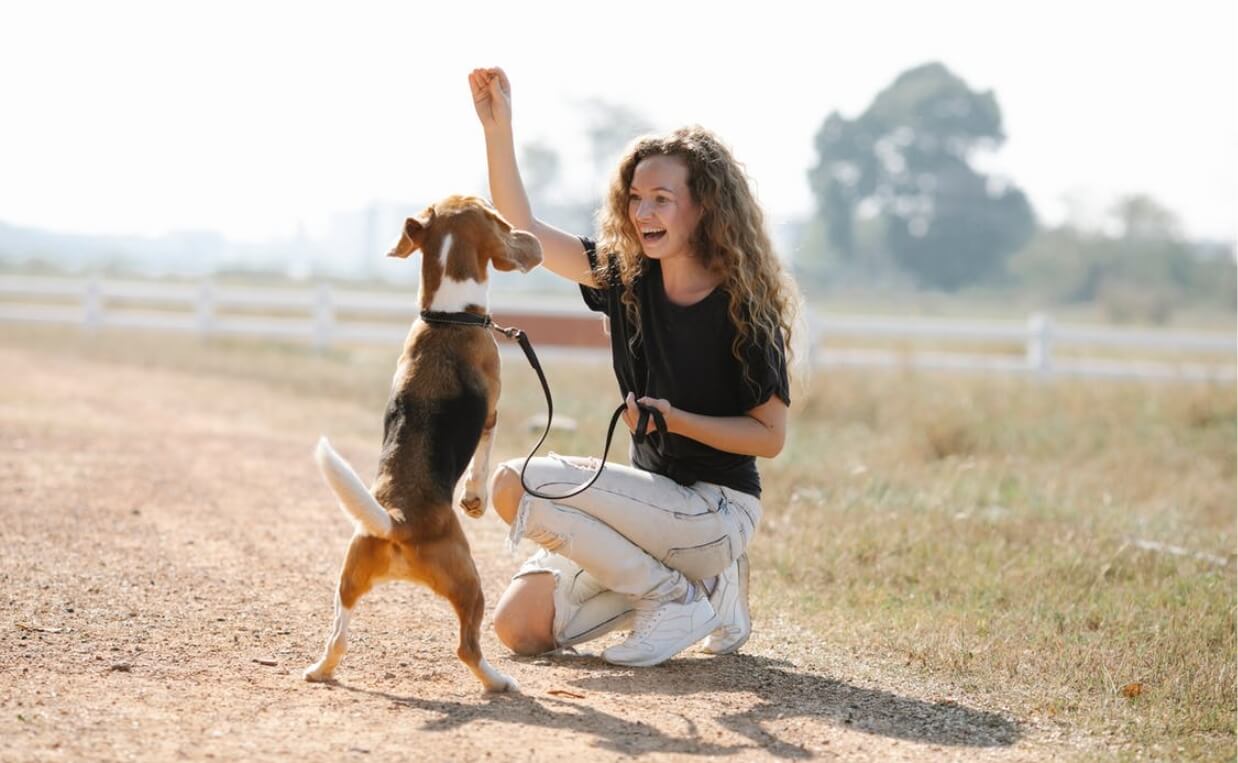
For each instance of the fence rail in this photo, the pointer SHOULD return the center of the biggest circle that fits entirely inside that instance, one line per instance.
(326, 315)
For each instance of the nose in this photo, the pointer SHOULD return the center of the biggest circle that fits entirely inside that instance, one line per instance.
(642, 209)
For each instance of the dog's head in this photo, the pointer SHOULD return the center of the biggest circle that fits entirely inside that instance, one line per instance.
(458, 237)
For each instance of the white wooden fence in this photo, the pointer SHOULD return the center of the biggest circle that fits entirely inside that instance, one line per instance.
(326, 315)
(1140, 354)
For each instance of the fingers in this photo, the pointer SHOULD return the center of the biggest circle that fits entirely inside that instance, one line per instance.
(477, 83)
(490, 84)
(487, 74)
(632, 414)
(662, 406)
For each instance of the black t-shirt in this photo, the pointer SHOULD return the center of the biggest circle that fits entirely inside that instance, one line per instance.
(684, 356)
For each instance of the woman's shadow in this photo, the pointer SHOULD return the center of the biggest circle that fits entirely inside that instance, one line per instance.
(782, 694)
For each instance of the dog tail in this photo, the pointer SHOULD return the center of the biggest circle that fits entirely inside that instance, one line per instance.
(355, 499)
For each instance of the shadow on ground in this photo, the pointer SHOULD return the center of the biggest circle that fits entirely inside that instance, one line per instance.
(780, 694)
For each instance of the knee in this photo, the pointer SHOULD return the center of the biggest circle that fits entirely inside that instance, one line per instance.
(523, 619)
(513, 628)
(506, 491)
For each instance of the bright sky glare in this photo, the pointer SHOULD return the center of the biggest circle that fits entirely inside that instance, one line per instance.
(254, 118)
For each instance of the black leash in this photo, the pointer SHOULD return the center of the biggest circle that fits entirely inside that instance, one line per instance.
(642, 423)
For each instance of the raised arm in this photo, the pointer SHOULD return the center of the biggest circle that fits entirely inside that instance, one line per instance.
(562, 253)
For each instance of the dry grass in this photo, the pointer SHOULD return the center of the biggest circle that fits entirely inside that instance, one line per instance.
(983, 530)
(978, 531)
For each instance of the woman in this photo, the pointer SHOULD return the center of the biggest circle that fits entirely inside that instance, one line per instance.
(699, 310)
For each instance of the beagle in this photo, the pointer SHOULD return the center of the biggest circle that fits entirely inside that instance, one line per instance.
(439, 425)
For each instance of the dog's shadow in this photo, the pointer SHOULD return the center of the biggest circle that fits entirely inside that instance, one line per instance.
(781, 693)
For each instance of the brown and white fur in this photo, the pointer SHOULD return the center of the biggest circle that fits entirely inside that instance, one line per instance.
(439, 420)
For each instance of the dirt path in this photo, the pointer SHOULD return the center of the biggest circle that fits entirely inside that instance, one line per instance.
(168, 560)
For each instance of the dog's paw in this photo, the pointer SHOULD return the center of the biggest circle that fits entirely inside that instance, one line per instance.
(493, 680)
(316, 675)
(473, 505)
(502, 683)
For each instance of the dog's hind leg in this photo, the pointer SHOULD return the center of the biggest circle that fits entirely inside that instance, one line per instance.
(473, 501)
(365, 554)
(337, 642)
(470, 606)
(455, 578)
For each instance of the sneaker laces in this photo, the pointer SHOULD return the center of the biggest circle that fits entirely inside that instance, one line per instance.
(646, 619)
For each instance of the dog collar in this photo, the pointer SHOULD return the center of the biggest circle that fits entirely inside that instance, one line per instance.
(457, 319)
(480, 321)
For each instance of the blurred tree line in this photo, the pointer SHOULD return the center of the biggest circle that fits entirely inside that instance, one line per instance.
(1139, 267)
(902, 205)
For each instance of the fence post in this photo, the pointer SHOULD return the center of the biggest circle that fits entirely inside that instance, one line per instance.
(92, 309)
(1040, 344)
(809, 337)
(324, 317)
(206, 308)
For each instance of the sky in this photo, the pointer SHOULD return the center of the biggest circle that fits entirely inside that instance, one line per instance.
(257, 119)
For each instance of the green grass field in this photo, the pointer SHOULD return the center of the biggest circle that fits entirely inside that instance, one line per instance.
(996, 535)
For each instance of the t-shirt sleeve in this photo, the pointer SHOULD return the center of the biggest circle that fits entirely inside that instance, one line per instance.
(767, 372)
(596, 300)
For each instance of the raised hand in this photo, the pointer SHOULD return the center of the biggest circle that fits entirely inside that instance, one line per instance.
(492, 97)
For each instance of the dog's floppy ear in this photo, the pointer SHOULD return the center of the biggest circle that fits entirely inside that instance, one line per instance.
(412, 237)
(521, 251)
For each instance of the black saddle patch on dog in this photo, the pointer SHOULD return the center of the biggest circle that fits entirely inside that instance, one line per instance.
(438, 434)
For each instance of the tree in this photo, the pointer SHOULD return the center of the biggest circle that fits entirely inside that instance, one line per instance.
(1137, 265)
(908, 158)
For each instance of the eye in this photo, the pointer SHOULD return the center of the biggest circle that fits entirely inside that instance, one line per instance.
(633, 197)
(662, 200)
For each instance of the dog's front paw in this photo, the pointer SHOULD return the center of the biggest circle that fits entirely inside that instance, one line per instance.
(473, 505)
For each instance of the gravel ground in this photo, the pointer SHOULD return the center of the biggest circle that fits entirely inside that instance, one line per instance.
(169, 554)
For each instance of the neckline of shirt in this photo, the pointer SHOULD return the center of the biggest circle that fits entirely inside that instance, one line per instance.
(659, 288)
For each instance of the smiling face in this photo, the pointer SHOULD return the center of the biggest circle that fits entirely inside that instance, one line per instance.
(661, 207)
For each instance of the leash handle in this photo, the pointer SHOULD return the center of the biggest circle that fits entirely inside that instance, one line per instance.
(659, 421)
(642, 422)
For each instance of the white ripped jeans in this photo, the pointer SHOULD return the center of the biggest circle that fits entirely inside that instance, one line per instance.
(633, 532)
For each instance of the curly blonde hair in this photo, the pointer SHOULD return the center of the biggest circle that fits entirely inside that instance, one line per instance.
(730, 238)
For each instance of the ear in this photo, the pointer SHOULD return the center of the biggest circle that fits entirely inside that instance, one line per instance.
(520, 251)
(412, 237)
(517, 249)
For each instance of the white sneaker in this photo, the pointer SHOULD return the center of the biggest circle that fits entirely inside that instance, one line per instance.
(730, 601)
(662, 631)
(606, 612)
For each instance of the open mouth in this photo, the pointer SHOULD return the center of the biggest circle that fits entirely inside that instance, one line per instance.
(650, 237)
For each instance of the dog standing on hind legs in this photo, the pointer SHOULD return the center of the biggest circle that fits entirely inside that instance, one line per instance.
(439, 425)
